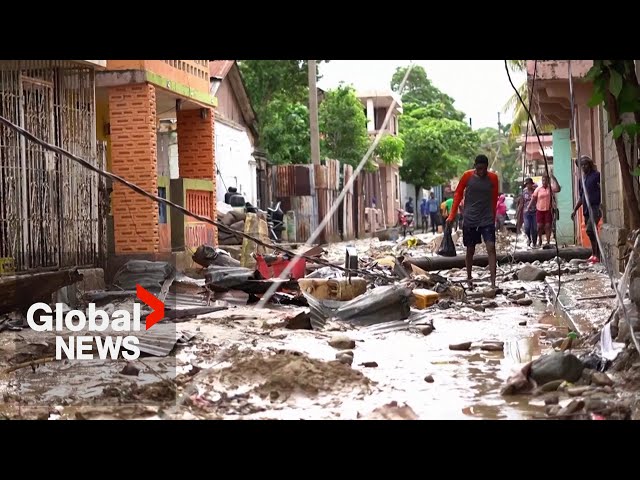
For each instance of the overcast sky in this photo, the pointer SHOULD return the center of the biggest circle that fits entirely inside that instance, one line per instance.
(480, 88)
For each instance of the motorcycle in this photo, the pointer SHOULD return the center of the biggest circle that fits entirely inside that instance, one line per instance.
(405, 222)
(275, 222)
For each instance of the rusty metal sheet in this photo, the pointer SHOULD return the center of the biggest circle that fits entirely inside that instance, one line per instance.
(320, 172)
(306, 211)
(303, 180)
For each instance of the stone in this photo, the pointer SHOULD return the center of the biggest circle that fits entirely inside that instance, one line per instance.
(345, 352)
(573, 407)
(525, 302)
(550, 386)
(573, 271)
(523, 323)
(601, 379)
(491, 346)
(517, 296)
(369, 364)
(578, 391)
(429, 379)
(342, 342)
(577, 261)
(478, 308)
(343, 358)
(130, 369)
(529, 273)
(490, 292)
(426, 330)
(556, 366)
(552, 410)
(552, 399)
(490, 305)
(465, 346)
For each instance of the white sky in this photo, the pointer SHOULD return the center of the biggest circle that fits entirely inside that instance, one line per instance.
(480, 88)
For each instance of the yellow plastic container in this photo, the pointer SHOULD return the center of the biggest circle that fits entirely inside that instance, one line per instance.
(424, 298)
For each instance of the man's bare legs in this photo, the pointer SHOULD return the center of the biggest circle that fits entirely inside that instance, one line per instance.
(471, 250)
(491, 253)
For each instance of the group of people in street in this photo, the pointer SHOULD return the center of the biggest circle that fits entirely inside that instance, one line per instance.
(479, 190)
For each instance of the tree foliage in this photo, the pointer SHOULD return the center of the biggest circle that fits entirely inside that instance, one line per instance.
(390, 149)
(279, 91)
(343, 126)
(439, 144)
(615, 84)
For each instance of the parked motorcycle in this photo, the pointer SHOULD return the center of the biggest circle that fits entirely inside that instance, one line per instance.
(405, 222)
(275, 222)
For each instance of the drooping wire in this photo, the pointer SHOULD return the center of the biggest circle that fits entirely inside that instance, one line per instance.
(615, 285)
(546, 166)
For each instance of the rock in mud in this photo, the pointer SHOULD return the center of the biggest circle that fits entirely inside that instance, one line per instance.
(465, 346)
(429, 379)
(344, 358)
(552, 399)
(490, 305)
(523, 323)
(489, 292)
(342, 342)
(529, 273)
(556, 366)
(492, 346)
(392, 411)
(578, 391)
(601, 379)
(525, 302)
(520, 382)
(550, 386)
(369, 364)
(130, 369)
(425, 330)
(577, 261)
(573, 407)
(517, 296)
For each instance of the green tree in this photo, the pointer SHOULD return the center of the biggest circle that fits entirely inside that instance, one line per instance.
(285, 133)
(278, 90)
(437, 150)
(390, 149)
(419, 90)
(615, 84)
(438, 143)
(343, 126)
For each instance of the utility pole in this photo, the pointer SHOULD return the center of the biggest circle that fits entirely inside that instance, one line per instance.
(313, 114)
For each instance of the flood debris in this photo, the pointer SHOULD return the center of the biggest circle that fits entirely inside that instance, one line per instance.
(340, 289)
(464, 346)
(206, 255)
(392, 411)
(342, 342)
(148, 274)
(556, 366)
(384, 304)
(519, 382)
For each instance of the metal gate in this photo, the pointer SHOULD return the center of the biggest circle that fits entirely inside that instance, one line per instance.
(51, 208)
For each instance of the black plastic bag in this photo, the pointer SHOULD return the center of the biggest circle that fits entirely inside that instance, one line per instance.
(447, 247)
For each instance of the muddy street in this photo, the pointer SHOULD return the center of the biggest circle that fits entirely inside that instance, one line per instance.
(456, 357)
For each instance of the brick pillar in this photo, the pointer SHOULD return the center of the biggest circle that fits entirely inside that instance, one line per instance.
(132, 113)
(196, 149)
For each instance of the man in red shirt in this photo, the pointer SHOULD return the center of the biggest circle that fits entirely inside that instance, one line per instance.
(479, 189)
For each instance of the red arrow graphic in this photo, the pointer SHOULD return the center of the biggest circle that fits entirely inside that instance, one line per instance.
(158, 306)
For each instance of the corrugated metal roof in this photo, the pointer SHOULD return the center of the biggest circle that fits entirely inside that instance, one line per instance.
(220, 68)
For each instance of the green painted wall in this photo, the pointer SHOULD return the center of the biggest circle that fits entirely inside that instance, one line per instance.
(562, 169)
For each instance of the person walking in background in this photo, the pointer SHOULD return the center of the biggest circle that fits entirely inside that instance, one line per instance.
(529, 214)
(432, 206)
(591, 215)
(408, 207)
(424, 214)
(543, 199)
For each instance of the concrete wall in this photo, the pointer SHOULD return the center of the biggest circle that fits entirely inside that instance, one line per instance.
(562, 169)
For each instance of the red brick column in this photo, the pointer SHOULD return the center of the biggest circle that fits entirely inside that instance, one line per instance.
(132, 113)
(196, 149)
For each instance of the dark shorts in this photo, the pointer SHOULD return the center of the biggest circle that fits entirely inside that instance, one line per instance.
(591, 226)
(544, 217)
(472, 236)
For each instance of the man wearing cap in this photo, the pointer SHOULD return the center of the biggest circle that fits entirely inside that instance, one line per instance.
(479, 189)
(590, 204)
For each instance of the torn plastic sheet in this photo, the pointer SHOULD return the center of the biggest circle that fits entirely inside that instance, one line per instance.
(382, 304)
(608, 348)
